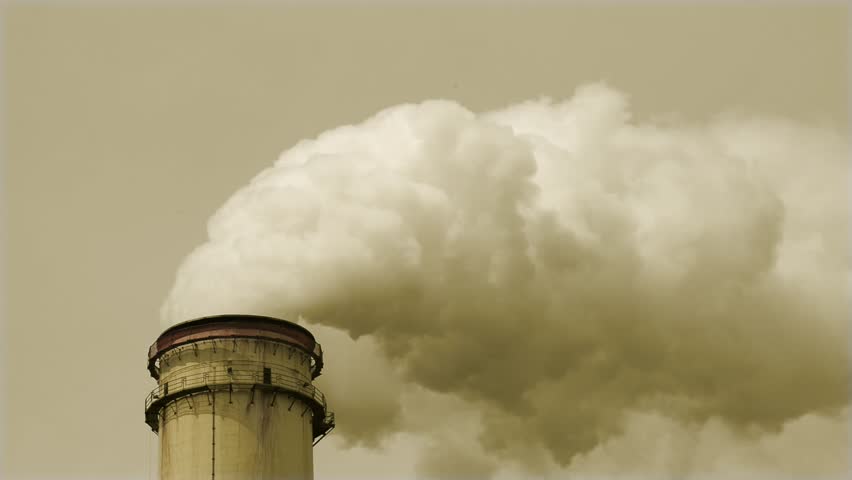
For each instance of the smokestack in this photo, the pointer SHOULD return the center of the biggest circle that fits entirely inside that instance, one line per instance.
(235, 399)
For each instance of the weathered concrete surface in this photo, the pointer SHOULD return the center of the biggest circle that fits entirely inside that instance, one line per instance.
(244, 426)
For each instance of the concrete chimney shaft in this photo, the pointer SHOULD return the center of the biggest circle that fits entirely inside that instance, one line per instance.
(234, 399)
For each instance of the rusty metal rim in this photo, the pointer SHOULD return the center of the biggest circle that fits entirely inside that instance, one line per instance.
(235, 320)
(236, 317)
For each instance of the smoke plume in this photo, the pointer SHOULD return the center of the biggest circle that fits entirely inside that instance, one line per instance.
(573, 276)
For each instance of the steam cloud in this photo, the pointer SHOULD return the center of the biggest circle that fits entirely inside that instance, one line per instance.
(574, 276)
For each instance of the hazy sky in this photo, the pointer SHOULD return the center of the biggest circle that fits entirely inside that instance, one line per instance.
(127, 127)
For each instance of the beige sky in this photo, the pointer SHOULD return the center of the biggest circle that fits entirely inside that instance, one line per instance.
(125, 128)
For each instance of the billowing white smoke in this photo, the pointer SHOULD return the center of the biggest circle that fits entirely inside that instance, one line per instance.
(555, 265)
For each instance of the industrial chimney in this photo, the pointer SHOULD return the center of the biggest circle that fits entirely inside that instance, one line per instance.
(234, 399)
